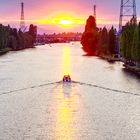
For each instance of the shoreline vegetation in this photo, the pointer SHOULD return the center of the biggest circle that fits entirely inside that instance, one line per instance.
(12, 39)
(104, 43)
(4, 51)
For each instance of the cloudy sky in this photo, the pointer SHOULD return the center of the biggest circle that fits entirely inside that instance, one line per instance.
(61, 15)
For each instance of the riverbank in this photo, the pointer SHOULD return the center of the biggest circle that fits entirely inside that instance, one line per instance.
(110, 58)
(4, 51)
(18, 49)
(113, 59)
(133, 69)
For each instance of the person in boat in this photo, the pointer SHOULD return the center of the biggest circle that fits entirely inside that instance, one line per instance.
(66, 78)
(69, 79)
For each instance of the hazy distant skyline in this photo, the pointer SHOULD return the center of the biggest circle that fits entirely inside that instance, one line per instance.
(45, 13)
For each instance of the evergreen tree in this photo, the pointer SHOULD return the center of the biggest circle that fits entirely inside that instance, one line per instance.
(135, 46)
(33, 32)
(103, 41)
(90, 37)
(112, 41)
(139, 44)
(127, 41)
(130, 43)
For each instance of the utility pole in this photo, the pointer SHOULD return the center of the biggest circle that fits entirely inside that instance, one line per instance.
(22, 21)
(127, 12)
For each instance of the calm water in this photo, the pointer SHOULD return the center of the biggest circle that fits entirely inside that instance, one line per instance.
(103, 102)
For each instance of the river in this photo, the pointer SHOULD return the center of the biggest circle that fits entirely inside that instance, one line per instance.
(101, 103)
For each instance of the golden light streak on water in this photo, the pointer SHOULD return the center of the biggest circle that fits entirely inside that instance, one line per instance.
(67, 103)
(66, 61)
(64, 115)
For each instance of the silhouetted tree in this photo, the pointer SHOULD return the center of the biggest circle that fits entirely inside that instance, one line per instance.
(112, 40)
(90, 37)
(33, 32)
(103, 42)
(4, 36)
(16, 40)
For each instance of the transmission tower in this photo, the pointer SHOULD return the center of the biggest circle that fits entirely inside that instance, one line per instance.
(127, 12)
(22, 21)
(94, 11)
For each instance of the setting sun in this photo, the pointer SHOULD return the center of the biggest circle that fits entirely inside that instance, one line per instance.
(63, 20)
(66, 22)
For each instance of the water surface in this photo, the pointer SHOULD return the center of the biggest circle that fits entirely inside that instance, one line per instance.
(102, 103)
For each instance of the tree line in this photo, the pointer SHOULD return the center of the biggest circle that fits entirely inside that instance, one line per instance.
(130, 43)
(98, 41)
(16, 39)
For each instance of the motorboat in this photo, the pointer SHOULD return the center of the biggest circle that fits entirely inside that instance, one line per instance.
(66, 78)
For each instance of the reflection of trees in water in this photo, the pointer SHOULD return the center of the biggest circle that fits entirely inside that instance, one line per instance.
(131, 74)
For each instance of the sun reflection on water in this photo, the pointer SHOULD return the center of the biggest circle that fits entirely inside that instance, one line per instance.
(67, 104)
(66, 61)
(64, 116)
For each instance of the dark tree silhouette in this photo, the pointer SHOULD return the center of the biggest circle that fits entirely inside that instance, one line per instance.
(89, 37)
(112, 41)
(103, 42)
(33, 31)
(12, 39)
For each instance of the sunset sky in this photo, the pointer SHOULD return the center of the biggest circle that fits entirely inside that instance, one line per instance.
(61, 15)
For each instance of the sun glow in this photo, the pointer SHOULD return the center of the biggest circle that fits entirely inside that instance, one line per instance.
(63, 20)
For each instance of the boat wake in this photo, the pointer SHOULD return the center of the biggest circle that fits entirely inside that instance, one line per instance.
(72, 82)
(106, 88)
